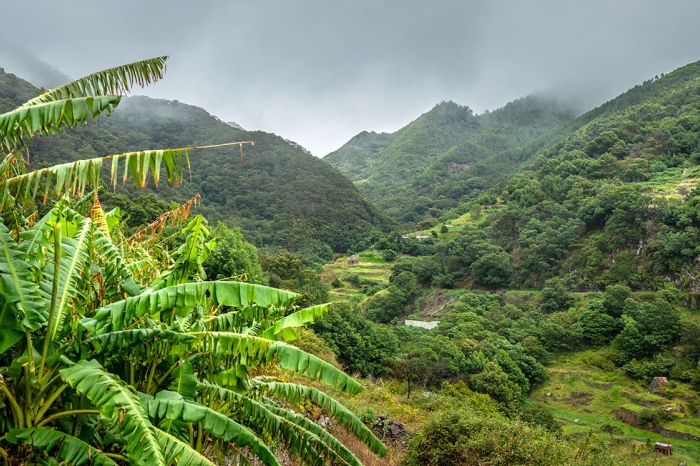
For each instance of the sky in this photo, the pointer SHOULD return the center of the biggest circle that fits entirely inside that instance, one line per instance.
(320, 71)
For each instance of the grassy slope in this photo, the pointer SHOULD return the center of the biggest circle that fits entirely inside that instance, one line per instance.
(584, 398)
(372, 268)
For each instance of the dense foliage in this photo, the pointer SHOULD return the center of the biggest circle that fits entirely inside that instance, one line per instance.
(446, 157)
(118, 350)
(280, 195)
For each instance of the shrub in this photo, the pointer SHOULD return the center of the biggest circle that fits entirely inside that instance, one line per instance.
(389, 255)
(460, 438)
(353, 279)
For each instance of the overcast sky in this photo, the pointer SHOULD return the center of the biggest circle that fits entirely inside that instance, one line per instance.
(320, 71)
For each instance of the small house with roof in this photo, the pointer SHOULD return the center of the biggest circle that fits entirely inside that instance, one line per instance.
(657, 383)
(663, 448)
(353, 260)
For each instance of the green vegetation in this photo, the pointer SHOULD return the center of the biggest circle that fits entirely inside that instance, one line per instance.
(559, 255)
(114, 350)
(446, 157)
(280, 195)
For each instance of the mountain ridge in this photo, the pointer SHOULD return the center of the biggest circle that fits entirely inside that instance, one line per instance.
(281, 195)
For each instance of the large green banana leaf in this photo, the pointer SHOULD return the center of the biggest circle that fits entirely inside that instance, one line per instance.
(118, 315)
(74, 257)
(114, 81)
(178, 452)
(284, 327)
(17, 126)
(72, 450)
(240, 350)
(21, 292)
(170, 405)
(308, 445)
(297, 394)
(126, 414)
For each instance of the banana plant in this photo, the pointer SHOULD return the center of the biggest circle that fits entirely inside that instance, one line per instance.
(95, 368)
(161, 376)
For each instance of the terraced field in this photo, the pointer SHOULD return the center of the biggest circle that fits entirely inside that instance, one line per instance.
(587, 399)
(673, 183)
(372, 269)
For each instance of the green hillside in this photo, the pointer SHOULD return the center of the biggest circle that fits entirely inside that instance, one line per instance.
(281, 195)
(447, 156)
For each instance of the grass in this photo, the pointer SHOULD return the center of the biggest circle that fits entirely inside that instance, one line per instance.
(584, 398)
(371, 268)
(672, 182)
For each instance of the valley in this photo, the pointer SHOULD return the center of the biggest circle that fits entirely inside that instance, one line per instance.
(559, 250)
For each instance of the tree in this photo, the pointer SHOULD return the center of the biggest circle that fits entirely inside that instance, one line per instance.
(232, 257)
(493, 269)
(555, 297)
(98, 367)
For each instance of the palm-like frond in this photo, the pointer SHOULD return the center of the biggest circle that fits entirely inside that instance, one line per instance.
(75, 177)
(296, 394)
(115, 81)
(74, 252)
(235, 294)
(143, 338)
(72, 450)
(301, 442)
(20, 291)
(116, 272)
(174, 217)
(242, 350)
(284, 327)
(315, 429)
(19, 125)
(124, 410)
(170, 405)
(240, 318)
(296, 360)
(189, 257)
(178, 452)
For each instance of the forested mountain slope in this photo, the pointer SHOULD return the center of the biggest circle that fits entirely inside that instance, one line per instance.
(611, 201)
(447, 156)
(280, 194)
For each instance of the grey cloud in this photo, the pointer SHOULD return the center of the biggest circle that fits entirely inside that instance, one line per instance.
(318, 72)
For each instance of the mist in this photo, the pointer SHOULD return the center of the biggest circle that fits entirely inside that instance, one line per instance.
(319, 72)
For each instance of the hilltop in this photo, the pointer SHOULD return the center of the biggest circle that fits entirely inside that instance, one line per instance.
(446, 156)
(280, 194)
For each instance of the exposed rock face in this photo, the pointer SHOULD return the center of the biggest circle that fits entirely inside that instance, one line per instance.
(387, 429)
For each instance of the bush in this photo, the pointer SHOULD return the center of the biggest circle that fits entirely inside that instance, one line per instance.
(538, 414)
(657, 167)
(389, 255)
(337, 283)
(647, 417)
(353, 279)
(460, 438)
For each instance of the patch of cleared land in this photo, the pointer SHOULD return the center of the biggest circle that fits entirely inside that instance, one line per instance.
(371, 269)
(586, 399)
